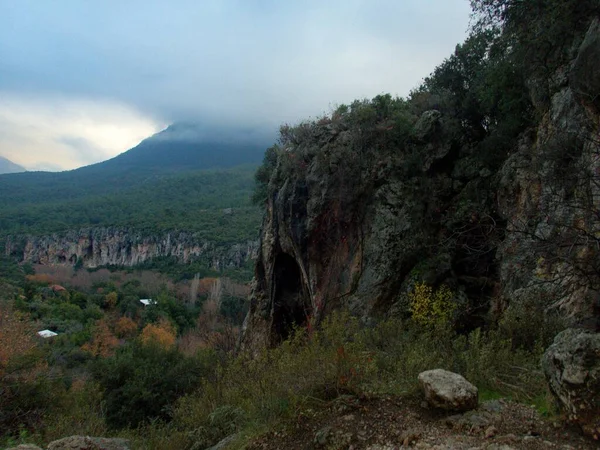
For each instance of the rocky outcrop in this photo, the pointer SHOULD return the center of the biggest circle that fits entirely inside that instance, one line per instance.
(89, 443)
(98, 247)
(81, 443)
(572, 368)
(448, 390)
(360, 218)
(25, 447)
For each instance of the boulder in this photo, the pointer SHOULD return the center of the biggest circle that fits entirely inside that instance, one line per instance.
(25, 447)
(448, 390)
(572, 368)
(89, 443)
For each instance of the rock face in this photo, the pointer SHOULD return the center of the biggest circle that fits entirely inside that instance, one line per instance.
(89, 443)
(448, 390)
(358, 230)
(572, 368)
(25, 447)
(126, 247)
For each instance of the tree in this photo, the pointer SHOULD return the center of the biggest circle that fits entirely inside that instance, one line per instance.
(26, 393)
(110, 301)
(162, 334)
(103, 342)
(125, 327)
(141, 382)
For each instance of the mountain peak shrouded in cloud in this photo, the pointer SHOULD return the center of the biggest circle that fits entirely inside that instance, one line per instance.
(171, 152)
(7, 166)
(133, 67)
(188, 146)
(201, 132)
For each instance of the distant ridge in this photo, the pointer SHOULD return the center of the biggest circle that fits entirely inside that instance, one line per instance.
(7, 166)
(186, 177)
(178, 149)
(185, 146)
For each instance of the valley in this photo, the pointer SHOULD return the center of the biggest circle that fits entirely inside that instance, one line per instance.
(398, 272)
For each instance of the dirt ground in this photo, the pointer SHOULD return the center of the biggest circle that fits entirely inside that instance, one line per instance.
(389, 423)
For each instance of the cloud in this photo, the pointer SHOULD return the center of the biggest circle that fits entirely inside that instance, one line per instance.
(55, 133)
(254, 63)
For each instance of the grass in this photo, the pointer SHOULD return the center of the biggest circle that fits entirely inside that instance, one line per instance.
(251, 394)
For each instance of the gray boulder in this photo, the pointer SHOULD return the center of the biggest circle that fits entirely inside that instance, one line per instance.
(572, 368)
(448, 390)
(25, 447)
(89, 443)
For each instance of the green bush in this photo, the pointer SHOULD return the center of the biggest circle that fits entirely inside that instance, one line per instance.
(141, 382)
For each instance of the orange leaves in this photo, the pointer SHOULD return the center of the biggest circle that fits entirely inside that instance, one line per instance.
(41, 278)
(162, 334)
(125, 327)
(103, 342)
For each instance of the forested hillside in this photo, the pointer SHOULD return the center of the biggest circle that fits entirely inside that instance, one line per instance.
(177, 179)
(192, 201)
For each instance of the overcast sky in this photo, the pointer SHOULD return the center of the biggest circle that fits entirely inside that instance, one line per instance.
(84, 80)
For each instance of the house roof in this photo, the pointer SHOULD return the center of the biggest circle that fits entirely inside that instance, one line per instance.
(47, 334)
(147, 301)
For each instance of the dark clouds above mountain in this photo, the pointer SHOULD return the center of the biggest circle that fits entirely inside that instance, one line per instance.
(248, 62)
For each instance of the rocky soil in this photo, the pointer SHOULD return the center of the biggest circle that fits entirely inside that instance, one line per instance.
(386, 423)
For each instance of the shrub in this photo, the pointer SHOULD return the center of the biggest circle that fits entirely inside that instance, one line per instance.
(141, 382)
(162, 334)
(26, 392)
(431, 308)
(110, 300)
(125, 327)
(103, 342)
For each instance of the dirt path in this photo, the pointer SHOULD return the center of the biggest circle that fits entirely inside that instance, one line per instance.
(392, 423)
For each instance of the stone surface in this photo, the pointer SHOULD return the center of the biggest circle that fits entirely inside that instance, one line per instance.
(572, 367)
(584, 76)
(89, 443)
(25, 447)
(448, 390)
(224, 443)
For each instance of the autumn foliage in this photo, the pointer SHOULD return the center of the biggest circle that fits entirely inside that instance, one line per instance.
(40, 278)
(162, 334)
(125, 327)
(103, 342)
(16, 337)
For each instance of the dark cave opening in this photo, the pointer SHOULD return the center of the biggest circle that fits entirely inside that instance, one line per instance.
(290, 305)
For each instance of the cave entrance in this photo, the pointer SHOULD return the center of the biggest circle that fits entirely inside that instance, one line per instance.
(291, 307)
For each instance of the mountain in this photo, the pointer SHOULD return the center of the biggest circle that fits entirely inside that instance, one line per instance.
(185, 177)
(178, 149)
(185, 146)
(7, 166)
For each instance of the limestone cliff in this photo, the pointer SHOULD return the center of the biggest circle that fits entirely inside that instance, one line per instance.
(357, 211)
(98, 247)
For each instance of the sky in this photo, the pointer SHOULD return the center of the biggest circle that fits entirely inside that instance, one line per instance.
(84, 80)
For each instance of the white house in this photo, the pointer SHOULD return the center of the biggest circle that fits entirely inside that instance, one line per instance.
(47, 334)
(147, 301)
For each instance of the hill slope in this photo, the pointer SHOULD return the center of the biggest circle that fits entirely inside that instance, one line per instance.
(7, 166)
(166, 153)
(181, 178)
